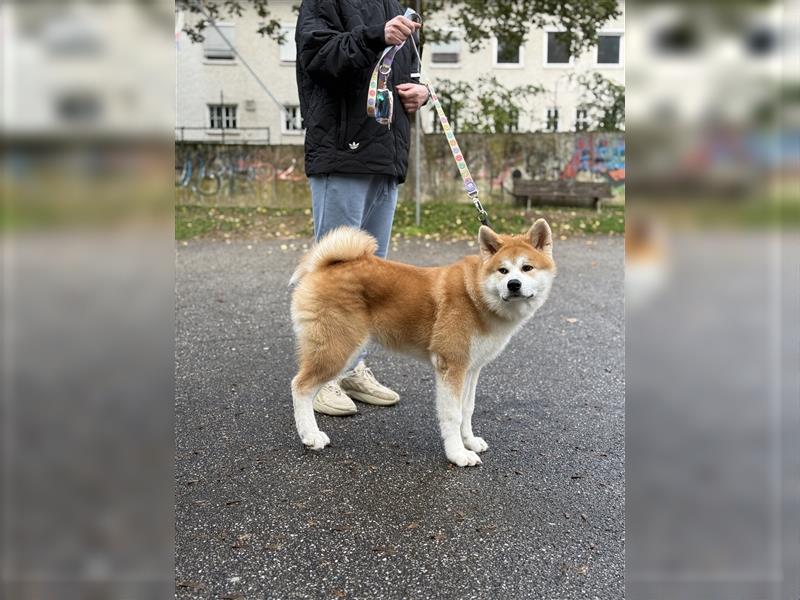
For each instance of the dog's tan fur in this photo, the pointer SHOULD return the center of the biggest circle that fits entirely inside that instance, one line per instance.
(345, 295)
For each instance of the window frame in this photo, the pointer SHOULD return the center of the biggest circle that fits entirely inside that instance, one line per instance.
(515, 125)
(587, 119)
(219, 60)
(498, 65)
(288, 61)
(620, 33)
(455, 65)
(224, 118)
(298, 117)
(547, 119)
(545, 43)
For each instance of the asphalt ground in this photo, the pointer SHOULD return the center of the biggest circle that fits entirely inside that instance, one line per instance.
(381, 513)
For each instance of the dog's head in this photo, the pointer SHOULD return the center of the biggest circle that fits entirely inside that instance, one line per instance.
(517, 270)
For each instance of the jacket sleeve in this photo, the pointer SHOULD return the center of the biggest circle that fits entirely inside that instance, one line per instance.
(328, 53)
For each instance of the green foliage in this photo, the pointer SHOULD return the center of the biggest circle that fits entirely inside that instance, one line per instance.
(605, 100)
(440, 221)
(479, 20)
(486, 106)
(454, 220)
(215, 10)
(454, 97)
(511, 19)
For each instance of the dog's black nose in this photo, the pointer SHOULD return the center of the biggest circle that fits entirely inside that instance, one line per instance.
(514, 285)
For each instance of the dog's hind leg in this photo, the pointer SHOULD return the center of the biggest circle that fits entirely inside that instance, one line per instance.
(450, 384)
(471, 442)
(303, 392)
(319, 363)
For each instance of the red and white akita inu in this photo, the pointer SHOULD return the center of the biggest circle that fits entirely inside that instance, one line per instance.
(458, 317)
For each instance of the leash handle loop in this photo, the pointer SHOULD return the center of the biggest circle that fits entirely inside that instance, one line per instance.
(378, 107)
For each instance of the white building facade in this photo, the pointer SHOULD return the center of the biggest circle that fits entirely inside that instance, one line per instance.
(219, 99)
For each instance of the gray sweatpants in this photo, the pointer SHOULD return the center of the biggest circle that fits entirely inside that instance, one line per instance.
(363, 201)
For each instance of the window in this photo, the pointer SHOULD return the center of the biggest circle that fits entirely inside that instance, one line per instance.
(761, 40)
(552, 119)
(447, 53)
(288, 46)
(582, 122)
(214, 45)
(507, 52)
(78, 107)
(292, 120)
(513, 120)
(609, 48)
(557, 49)
(222, 116)
(679, 38)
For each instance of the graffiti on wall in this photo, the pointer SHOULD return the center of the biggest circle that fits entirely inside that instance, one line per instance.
(213, 170)
(275, 174)
(597, 157)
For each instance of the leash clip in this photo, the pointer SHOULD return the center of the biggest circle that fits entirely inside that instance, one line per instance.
(483, 216)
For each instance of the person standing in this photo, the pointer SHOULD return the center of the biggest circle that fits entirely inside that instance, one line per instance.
(354, 164)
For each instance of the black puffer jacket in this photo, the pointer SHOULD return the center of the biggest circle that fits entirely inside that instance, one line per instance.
(339, 43)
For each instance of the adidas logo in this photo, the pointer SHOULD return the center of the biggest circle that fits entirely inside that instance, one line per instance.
(354, 145)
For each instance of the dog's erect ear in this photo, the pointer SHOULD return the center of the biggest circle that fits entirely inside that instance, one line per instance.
(489, 242)
(541, 237)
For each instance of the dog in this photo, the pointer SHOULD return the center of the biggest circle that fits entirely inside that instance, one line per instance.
(458, 317)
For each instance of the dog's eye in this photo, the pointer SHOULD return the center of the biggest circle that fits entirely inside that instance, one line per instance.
(527, 268)
(503, 270)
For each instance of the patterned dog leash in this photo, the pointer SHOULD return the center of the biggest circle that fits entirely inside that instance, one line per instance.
(380, 106)
(463, 169)
(380, 100)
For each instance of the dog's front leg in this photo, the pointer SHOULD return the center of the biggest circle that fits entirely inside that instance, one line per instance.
(450, 384)
(471, 441)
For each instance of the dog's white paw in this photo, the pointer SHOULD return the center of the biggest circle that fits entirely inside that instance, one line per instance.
(476, 444)
(316, 440)
(464, 458)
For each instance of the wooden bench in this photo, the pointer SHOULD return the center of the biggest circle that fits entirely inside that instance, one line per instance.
(564, 192)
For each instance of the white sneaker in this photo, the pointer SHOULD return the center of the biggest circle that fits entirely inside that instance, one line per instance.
(360, 384)
(331, 400)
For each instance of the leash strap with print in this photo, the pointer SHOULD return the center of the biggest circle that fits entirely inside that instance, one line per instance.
(463, 169)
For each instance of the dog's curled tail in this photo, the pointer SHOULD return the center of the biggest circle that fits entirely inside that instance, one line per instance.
(339, 245)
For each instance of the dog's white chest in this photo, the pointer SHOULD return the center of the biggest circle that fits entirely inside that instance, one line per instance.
(484, 348)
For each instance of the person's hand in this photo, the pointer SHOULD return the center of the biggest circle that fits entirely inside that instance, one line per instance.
(412, 95)
(398, 30)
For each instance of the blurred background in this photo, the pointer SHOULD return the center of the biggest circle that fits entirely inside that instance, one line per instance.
(113, 114)
(711, 300)
(87, 249)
